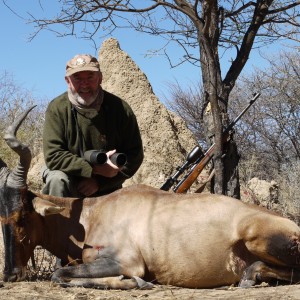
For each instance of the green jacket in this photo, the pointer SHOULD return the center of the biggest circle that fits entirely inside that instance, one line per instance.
(115, 127)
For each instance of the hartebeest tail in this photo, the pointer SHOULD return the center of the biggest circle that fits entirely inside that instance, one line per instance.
(113, 241)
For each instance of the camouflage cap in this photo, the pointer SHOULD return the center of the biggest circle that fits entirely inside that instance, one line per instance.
(82, 62)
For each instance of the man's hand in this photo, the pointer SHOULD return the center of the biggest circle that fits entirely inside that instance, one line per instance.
(108, 169)
(88, 186)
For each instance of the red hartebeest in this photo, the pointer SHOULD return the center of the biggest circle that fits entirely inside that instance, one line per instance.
(186, 240)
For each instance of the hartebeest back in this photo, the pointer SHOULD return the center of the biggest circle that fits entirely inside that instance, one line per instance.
(113, 241)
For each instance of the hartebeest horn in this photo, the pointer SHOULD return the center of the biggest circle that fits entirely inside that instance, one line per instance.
(18, 176)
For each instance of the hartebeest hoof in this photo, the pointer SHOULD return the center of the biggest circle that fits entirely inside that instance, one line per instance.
(260, 271)
(251, 275)
(142, 284)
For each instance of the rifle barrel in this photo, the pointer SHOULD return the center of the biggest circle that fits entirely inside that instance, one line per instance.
(255, 97)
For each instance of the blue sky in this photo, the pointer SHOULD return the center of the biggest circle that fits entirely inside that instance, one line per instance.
(39, 65)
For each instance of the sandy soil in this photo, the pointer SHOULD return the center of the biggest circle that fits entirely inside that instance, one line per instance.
(46, 290)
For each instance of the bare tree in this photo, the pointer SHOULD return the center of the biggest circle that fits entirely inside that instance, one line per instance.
(273, 134)
(13, 101)
(208, 26)
(187, 104)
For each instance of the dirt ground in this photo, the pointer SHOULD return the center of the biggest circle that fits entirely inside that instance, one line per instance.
(46, 290)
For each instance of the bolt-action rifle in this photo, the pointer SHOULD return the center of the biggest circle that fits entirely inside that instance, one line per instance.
(197, 160)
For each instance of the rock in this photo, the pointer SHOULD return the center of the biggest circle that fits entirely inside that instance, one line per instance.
(261, 192)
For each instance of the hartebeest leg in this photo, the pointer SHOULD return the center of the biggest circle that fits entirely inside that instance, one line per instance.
(102, 273)
(259, 271)
(107, 283)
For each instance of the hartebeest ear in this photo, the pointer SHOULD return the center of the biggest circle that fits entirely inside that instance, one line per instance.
(45, 207)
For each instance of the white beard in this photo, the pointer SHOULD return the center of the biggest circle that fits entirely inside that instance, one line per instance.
(84, 102)
(90, 107)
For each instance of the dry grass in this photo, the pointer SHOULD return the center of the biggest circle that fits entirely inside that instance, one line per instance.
(46, 290)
